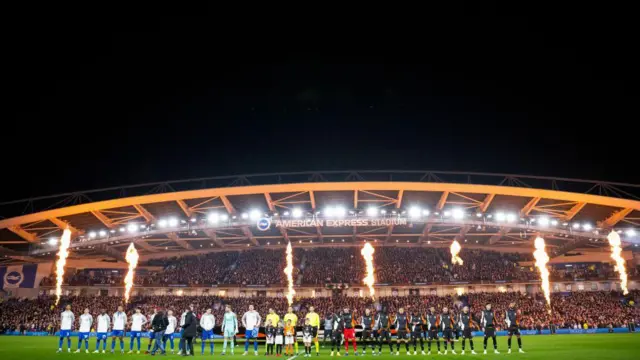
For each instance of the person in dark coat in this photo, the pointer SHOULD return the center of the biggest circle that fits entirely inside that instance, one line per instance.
(190, 329)
(159, 325)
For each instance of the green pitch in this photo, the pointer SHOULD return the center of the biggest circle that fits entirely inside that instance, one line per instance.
(565, 347)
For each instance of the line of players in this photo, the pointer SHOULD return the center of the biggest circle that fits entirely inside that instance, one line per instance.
(163, 330)
(414, 328)
(338, 327)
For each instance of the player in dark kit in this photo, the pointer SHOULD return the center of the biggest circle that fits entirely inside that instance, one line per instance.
(433, 325)
(417, 323)
(382, 331)
(513, 322)
(446, 324)
(489, 328)
(366, 321)
(401, 324)
(465, 323)
(349, 331)
(336, 333)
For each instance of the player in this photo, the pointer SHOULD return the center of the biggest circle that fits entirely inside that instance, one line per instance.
(417, 323)
(401, 324)
(433, 325)
(270, 333)
(314, 320)
(137, 322)
(119, 322)
(366, 335)
(328, 328)
(104, 322)
(207, 322)
(151, 337)
(513, 322)
(171, 329)
(183, 318)
(251, 322)
(338, 328)
(290, 316)
(229, 328)
(67, 319)
(349, 331)
(465, 322)
(446, 324)
(307, 338)
(489, 328)
(279, 338)
(289, 336)
(86, 320)
(382, 331)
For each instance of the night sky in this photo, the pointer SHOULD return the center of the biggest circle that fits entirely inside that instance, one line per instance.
(124, 96)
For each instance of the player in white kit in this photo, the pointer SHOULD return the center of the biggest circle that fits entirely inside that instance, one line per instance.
(171, 329)
(137, 322)
(67, 319)
(104, 322)
(119, 323)
(86, 321)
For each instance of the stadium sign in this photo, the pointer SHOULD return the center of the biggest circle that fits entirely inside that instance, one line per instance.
(330, 223)
(13, 279)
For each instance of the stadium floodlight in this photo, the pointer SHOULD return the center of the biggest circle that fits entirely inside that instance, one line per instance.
(543, 221)
(162, 223)
(446, 213)
(254, 214)
(425, 212)
(329, 212)
(92, 235)
(576, 226)
(102, 233)
(479, 215)
(631, 233)
(415, 212)
(286, 213)
(173, 222)
(500, 216)
(340, 211)
(383, 211)
(554, 222)
(53, 241)
(587, 226)
(511, 217)
(245, 216)
(132, 228)
(297, 213)
(372, 211)
(112, 231)
(193, 220)
(143, 226)
(122, 229)
(457, 213)
(213, 218)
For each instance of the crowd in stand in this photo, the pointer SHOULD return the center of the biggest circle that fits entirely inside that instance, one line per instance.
(394, 265)
(578, 309)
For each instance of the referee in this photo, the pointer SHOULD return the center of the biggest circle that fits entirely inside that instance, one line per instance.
(314, 321)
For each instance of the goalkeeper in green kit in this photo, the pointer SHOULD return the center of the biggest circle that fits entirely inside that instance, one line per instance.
(229, 328)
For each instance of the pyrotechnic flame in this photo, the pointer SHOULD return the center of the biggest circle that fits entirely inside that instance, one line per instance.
(132, 259)
(616, 254)
(367, 253)
(289, 272)
(455, 250)
(63, 253)
(541, 263)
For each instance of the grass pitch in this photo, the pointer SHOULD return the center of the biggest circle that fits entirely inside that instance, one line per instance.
(543, 347)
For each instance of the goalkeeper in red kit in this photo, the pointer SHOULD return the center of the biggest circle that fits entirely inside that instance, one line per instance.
(349, 331)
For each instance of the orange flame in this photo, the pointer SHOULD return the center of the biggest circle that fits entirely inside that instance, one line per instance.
(541, 263)
(63, 254)
(132, 259)
(455, 250)
(289, 272)
(616, 254)
(367, 253)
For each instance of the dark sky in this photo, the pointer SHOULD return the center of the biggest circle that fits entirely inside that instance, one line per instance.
(103, 97)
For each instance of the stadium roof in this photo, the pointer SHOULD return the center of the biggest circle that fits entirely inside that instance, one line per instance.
(212, 214)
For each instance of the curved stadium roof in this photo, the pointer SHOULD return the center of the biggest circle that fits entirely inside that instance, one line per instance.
(165, 218)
